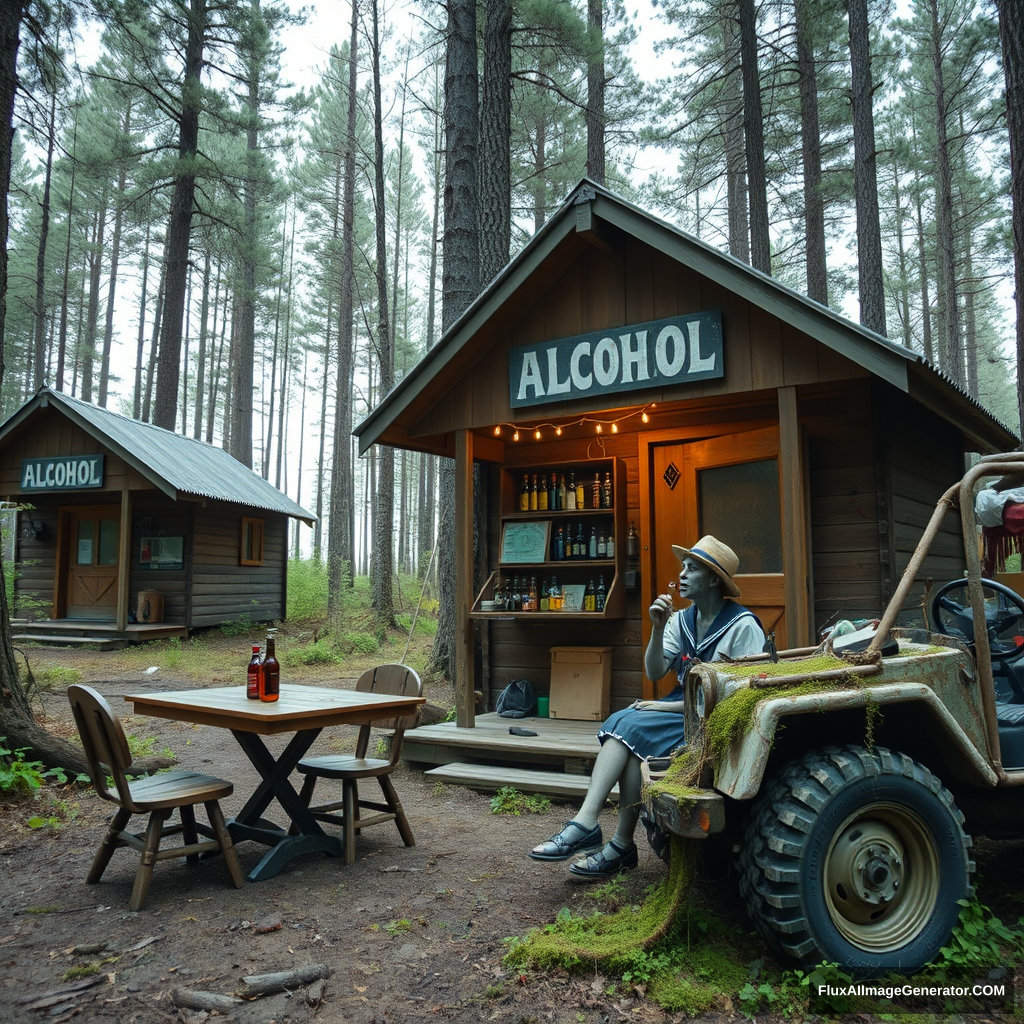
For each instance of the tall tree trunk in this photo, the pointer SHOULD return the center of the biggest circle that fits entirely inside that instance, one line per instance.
(865, 181)
(62, 342)
(595, 91)
(268, 439)
(382, 582)
(279, 480)
(38, 348)
(216, 355)
(461, 271)
(115, 255)
(810, 144)
(179, 229)
(735, 160)
(949, 326)
(1011, 38)
(93, 315)
(297, 550)
(495, 132)
(753, 133)
(340, 560)
(204, 329)
(151, 364)
(140, 341)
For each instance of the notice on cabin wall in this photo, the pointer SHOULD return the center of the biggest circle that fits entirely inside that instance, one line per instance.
(62, 473)
(651, 355)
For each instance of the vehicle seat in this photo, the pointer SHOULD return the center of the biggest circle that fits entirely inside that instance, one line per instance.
(1010, 721)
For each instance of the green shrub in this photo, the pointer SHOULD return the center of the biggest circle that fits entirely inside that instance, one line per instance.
(361, 643)
(320, 652)
(59, 676)
(18, 776)
(508, 800)
(307, 589)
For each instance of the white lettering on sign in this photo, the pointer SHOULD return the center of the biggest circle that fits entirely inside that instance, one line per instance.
(677, 349)
(62, 473)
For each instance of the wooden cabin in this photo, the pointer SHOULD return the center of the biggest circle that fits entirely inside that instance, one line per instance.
(129, 531)
(717, 399)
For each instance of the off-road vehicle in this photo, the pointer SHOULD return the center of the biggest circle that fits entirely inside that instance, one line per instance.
(850, 784)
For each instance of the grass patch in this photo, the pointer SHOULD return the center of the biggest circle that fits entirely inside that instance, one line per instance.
(508, 800)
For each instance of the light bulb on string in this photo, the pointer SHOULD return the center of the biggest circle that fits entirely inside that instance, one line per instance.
(515, 436)
(558, 431)
(536, 434)
(644, 417)
(615, 428)
(497, 430)
(599, 428)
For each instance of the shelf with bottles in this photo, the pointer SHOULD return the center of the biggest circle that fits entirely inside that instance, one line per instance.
(576, 545)
(578, 487)
(556, 590)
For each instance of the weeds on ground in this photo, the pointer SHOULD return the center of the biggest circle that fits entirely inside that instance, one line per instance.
(58, 676)
(508, 800)
(18, 776)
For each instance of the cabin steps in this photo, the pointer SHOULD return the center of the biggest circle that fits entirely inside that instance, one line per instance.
(96, 643)
(491, 778)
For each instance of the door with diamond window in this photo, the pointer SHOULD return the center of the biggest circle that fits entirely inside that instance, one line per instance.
(725, 486)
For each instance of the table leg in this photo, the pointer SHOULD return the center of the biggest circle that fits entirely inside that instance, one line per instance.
(308, 836)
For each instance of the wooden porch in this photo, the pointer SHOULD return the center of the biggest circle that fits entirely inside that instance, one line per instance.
(557, 761)
(97, 635)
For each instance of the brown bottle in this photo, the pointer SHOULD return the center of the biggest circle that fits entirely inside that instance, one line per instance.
(252, 678)
(271, 674)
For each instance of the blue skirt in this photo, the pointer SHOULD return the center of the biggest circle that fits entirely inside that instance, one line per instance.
(646, 733)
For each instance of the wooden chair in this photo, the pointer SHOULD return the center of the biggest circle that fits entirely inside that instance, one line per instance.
(106, 752)
(394, 679)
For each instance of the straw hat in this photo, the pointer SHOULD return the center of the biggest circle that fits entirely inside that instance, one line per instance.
(718, 557)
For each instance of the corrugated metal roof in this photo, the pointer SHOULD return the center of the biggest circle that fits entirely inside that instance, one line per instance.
(175, 464)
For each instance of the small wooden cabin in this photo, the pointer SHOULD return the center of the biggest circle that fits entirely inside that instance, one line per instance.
(718, 400)
(127, 529)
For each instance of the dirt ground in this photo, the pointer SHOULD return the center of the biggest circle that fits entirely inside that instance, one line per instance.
(409, 934)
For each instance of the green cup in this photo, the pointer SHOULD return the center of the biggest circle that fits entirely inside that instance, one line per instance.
(542, 707)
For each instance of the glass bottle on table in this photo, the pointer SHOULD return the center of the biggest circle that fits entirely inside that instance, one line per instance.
(252, 676)
(271, 673)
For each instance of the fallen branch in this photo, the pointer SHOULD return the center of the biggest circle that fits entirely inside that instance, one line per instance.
(55, 996)
(188, 1000)
(282, 981)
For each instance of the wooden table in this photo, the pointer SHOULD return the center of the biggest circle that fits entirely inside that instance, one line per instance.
(302, 710)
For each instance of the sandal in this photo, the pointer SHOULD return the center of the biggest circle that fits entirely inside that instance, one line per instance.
(574, 838)
(612, 860)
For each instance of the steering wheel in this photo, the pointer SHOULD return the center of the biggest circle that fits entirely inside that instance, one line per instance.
(1004, 617)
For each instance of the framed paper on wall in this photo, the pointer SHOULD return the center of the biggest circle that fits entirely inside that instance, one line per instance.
(162, 552)
(525, 542)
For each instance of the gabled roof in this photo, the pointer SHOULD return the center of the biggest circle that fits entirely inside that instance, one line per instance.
(593, 209)
(174, 464)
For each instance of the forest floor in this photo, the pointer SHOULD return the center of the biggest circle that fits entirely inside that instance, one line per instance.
(409, 934)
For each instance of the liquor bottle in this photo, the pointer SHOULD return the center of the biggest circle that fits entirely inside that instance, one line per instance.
(544, 599)
(602, 546)
(533, 494)
(601, 596)
(579, 494)
(581, 543)
(632, 543)
(589, 597)
(524, 495)
(559, 545)
(606, 491)
(562, 494)
(499, 592)
(592, 548)
(553, 493)
(534, 601)
(252, 676)
(595, 492)
(570, 494)
(555, 595)
(542, 493)
(515, 599)
(271, 673)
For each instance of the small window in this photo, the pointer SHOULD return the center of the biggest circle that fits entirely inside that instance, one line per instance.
(252, 542)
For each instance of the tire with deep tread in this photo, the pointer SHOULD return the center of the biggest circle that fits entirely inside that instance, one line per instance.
(858, 858)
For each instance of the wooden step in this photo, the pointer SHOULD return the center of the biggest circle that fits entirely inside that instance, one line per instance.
(491, 778)
(99, 643)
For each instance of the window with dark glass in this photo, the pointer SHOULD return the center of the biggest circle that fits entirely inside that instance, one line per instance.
(252, 542)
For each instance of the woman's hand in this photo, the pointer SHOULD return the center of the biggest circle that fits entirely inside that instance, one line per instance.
(658, 705)
(661, 610)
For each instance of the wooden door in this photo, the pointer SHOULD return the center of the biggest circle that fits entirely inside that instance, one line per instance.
(94, 535)
(729, 487)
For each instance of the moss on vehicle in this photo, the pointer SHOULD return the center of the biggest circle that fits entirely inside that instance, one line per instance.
(610, 940)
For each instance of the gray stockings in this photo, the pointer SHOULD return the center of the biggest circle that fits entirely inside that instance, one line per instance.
(615, 763)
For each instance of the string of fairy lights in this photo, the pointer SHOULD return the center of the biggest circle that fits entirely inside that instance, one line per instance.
(538, 429)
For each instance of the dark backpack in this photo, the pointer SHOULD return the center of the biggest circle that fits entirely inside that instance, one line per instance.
(516, 700)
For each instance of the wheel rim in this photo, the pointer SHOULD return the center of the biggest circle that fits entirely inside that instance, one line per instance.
(881, 877)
